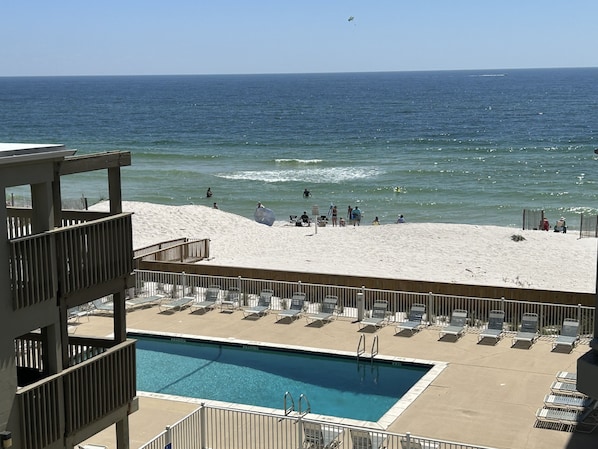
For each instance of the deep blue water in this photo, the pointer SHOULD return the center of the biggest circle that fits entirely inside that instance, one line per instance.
(461, 146)
(334, 386)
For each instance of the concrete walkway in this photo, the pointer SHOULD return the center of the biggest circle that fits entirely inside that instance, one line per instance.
(488, 395)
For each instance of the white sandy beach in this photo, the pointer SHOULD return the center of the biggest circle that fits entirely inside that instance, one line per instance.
(484, 255)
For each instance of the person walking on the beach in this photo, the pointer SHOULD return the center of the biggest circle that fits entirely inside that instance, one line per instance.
(209, 193)
(334, 215)
(349, 213)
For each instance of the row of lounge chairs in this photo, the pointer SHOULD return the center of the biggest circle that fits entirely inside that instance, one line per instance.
(232, 298)
(320, 436)
(565, 408)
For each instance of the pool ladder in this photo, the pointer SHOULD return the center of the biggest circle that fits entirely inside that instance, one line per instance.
(361, 347)
(303, 401)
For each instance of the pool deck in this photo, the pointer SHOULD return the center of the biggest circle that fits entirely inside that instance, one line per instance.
(487, 395)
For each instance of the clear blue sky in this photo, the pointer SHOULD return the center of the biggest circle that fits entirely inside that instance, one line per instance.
(130, 37)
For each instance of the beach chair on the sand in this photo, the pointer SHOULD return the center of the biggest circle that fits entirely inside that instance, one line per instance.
(496, 320)
(378, 316)
(415, 319)
(562, 388)
(326, 312)
(263, 304)
(569, 334)
(209, 302)
(296, 307)
(528, 331)
(457, 324)
(319, 436)
(363, 439)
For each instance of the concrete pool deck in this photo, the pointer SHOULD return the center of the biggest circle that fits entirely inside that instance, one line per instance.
(487, 395)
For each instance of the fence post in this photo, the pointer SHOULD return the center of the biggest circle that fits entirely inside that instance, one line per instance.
(431, 308)
(202, 426)
(168, 437)
(360, 304)
(408, 440)
(241, 293)
(299, 431)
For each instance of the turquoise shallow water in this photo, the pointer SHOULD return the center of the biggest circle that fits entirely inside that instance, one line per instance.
(334, 386)
(462, 146)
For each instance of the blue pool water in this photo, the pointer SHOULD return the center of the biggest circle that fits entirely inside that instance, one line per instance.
(246, 374)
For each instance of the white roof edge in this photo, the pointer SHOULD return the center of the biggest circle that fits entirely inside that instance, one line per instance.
(23, 152)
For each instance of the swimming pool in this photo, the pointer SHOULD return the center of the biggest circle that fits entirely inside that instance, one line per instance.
(251, 373)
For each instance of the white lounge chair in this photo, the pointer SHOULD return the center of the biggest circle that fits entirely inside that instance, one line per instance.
(567, 402)
(296, 307)
(496, 320)
(143, 301)
(175, 303)
(263, 304)
(569, 334)
(103, 306)
(232, 299)
(363, 439)
(417, 443)
(568, 388)
(457, 324)
(318, 436)
(415, 319)
(209, 302)
(378, 316)
(326, 312)
(528, 331)
(566, 376)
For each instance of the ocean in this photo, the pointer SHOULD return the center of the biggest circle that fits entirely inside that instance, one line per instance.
(473, 147)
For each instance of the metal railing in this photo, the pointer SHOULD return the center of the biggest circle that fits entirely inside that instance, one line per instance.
(438, 306)
(82, 394)
(227, 428)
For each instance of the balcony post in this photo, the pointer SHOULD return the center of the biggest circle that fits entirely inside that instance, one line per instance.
(42, 206)
(120, 319)
(114, 192)
(122, 433)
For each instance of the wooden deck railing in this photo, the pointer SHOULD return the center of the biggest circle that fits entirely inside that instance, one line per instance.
(83, 255)
(94, 252)
(187, 251)
(89, 391)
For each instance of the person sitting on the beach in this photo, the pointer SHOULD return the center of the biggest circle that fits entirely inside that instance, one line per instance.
(306, 193)
(305, 218)
(259, 205)
(342, 222)
(376, 221)
(561, 226)
(215, 206)
(545, 226)
(401, 219)
(209, 193)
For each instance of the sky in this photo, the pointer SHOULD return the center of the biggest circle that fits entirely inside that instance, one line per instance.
(150, 37)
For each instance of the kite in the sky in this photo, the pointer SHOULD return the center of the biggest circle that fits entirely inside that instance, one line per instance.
(351, 18)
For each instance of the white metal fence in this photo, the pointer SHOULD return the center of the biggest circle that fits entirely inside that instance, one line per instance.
(225, 428)
(438, 306)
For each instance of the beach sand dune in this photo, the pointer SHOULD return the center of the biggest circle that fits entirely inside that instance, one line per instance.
(454, 253)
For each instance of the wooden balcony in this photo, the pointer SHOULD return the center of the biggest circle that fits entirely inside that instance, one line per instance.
(70, 259)
(101, 382)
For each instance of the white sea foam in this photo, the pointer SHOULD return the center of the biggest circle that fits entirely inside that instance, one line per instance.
(298, 161)
(310, 175)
